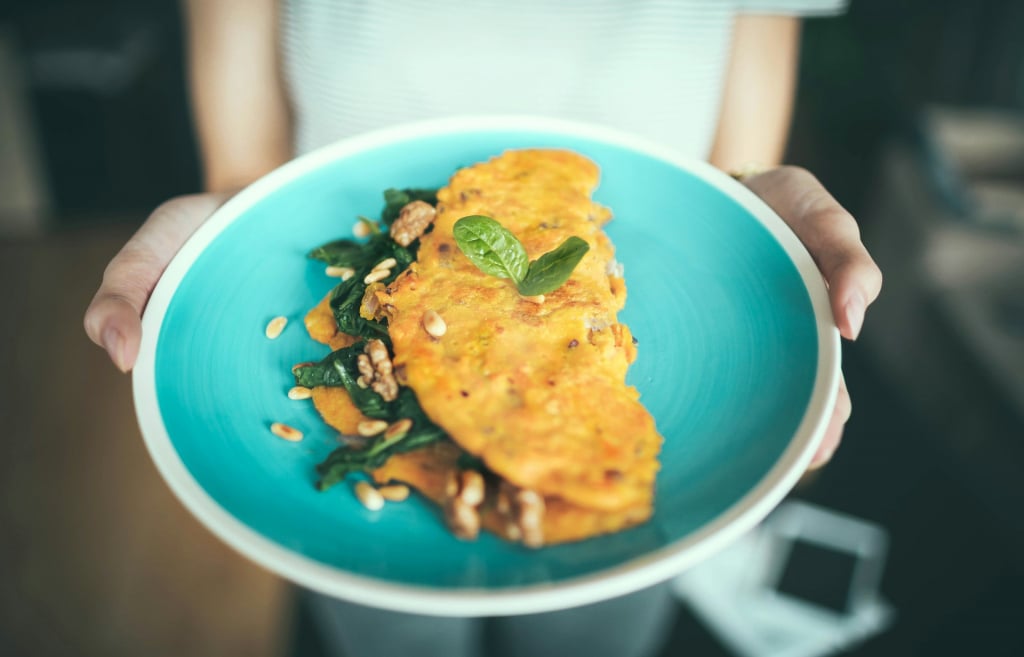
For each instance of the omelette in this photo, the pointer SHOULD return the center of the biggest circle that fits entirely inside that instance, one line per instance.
(529, 390)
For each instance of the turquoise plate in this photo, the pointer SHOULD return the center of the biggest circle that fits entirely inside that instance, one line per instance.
(738, 362)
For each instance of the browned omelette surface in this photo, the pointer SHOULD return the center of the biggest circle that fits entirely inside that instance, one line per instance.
(428, 469)
(536, 390)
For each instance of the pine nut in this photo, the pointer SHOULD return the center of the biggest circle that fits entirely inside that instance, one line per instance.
(376, 275)
(394, 492)
(291, 434)
(371, 427)
(434, 324)
(297, 366)
(369, 496)
(471, 489)
(398, 428)
(344, 273)
(386, 263)
(361, 229)
(275, 327)
(537, 299)
(300, 392)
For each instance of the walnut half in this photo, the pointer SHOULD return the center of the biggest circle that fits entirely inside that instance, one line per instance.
(376, 370)
(412, 221)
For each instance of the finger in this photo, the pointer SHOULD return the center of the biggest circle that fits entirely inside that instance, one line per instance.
(113, 319)
(832, 237)
(834, 431)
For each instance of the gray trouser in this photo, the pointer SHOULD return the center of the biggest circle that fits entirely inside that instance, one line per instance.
(635, 625)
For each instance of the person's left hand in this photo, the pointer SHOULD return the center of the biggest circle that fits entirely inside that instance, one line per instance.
(832, 237)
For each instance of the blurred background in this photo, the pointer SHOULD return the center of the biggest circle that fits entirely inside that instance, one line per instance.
(910, 111)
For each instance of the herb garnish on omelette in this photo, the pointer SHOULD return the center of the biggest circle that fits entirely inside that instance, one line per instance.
(505, 405)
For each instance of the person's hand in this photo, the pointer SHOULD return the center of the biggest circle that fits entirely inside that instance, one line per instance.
(832, 237)
(114, 318)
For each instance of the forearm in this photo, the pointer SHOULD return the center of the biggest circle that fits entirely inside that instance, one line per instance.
(238, 103)
(758, 96)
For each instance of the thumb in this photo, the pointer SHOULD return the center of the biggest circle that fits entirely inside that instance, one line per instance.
(832, 237)
(114, 318)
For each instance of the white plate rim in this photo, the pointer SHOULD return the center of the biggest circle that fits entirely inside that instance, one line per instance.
(633, 575)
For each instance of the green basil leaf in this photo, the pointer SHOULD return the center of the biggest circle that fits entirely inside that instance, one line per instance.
(347, 296)
(404, 256)
(339, 369)
(318, 374)
(366, 400)
(340, 253)
(491, 247)
(346, 460)
(548, 272)
(345, 302)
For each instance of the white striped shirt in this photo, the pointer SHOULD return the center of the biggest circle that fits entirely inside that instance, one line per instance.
(651, 67)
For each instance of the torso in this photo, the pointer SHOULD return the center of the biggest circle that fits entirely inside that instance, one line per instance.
(651, 67)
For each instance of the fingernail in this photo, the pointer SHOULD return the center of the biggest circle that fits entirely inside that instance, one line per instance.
(822, 457)
(829, 453)
(855, 314)
(113, 342)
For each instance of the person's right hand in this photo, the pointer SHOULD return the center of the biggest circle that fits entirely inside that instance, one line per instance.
(114, 318)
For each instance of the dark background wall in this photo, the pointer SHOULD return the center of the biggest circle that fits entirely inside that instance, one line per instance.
(108, 90)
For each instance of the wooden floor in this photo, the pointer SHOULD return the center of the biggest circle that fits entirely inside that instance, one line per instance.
(96, 555)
